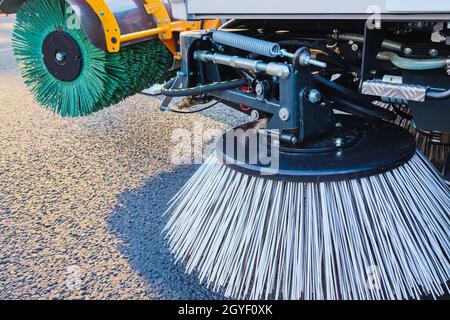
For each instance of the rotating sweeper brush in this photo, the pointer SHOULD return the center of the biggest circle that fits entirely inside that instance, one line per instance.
(435, 145)
(324, 196)
(78, 57)
(329, 223)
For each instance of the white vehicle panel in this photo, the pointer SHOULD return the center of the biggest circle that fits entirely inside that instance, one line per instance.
(316, 7)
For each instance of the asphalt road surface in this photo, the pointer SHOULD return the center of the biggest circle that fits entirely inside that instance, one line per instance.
(81, 200)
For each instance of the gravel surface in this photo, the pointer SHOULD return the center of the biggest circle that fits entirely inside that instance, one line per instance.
(81, 200)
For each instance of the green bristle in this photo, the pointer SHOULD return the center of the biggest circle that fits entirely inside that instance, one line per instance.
(145, 64)
(105, 78)
(34, 21)
(116, 77)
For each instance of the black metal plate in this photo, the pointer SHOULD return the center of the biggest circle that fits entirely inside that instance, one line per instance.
(368, 148)
(61, 42)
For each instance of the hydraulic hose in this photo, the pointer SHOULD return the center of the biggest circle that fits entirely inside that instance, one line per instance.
(199, 90)
(353, 100)
(438, 94)
(230, 24)
(352, 108)
(413, 64)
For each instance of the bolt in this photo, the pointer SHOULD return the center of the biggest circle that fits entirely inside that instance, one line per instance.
(335, 33)
(163, 36)
(102, 13)
(314, 96)
(408, 51)
(60, 56)
(355, 77)
(259, 89)
(284, 114)
(338, 142)
(355, 47)
(433, 52)
(166, 20)
(254, 114)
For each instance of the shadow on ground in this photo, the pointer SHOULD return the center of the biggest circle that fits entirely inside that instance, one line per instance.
(138, 222)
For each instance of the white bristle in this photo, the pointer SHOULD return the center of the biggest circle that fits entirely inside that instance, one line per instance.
(381, 237)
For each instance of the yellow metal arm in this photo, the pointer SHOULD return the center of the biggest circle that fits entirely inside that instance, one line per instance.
(109, 22)
(165, 27)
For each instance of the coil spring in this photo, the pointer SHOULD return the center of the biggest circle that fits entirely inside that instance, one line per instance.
(262, 47)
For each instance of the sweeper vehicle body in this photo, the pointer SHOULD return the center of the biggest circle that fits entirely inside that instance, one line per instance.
(337, 188)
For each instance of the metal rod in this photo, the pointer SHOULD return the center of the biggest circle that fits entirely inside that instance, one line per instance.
(280, 70)
(142, 34)
(387, 44)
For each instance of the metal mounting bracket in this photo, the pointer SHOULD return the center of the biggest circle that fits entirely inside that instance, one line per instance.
(165, 27)
(109, 22)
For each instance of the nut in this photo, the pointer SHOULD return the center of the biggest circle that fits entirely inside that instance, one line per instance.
(314, 96)
(433, 52)
(284, 114)
(254, 114)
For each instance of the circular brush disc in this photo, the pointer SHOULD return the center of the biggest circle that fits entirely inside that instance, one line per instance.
(357, 148)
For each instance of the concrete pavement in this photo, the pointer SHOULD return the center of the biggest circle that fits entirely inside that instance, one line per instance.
(81, 200)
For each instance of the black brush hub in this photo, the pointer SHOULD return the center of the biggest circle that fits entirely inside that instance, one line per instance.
(355, 148)
(62, 56)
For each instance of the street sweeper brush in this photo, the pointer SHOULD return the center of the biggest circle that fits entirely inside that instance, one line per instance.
(324, 196)
(354, 222)
(77, 59)
(434, 145)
